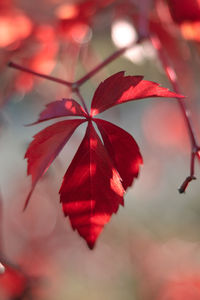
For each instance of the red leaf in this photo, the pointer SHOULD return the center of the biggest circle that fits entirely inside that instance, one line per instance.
(110, 91)
(46, 146)
(123, 150)
(61, 108)
(184, 11)
(91, 190)
(118, 89)
(13, 283)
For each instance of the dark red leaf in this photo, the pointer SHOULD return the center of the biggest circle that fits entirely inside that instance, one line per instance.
(91, 190)
(184, 11)
(46, 146)
(111, 90)
(118, 89)
(123, 150)
(61, 108)
(13, 283)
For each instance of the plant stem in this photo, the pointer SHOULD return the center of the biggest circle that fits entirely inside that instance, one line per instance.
(82, 80)
(144, 7)
(185, 112)
(76, 90)
(75, 85)
(16, 66)
(108, 60)
(1, 227)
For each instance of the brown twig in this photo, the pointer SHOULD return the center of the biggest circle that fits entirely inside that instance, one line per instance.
(77, 91)
(96, 69)
(83, 79)
(23, 69)
(185, 112)
(76, 85)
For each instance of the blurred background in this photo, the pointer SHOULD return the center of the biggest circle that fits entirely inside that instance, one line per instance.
(151, 247)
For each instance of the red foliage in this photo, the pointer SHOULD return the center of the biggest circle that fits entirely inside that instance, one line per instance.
(91, 190)
(63, 108)
(15, 26)
(74, 19)
(46, 146)
(94, 183)
(187, 15)
(183, 11)
(182, 289)
(13, 283)
(129, 88)
(122, 148)
(42, 59)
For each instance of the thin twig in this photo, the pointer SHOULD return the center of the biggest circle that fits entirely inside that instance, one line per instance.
(23, 69)
(82, 80)
(186, 114)
(144, 7)
(108, 60)
(77, 91)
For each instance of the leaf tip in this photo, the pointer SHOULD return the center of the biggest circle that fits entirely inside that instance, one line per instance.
(30, 124)
(90, 245)
(28, 198)
(9, 64)
(180, 96)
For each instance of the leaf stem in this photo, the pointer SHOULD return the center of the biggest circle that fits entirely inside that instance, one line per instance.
(185, 112)
(16, 66)
(77, 91)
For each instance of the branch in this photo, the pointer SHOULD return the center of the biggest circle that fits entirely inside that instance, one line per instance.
(76, 90)
(108, 60)
(78, 83)
(186, 114)
(58, 80)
